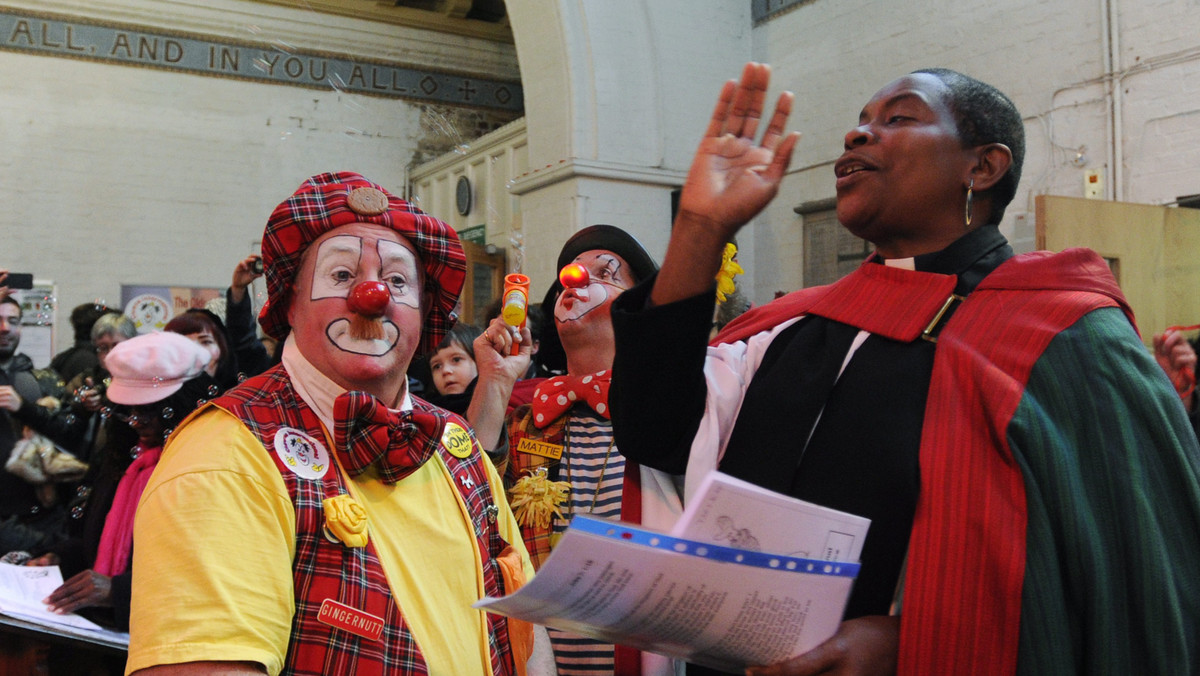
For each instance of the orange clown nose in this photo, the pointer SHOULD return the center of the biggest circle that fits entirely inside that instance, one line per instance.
(574, 276)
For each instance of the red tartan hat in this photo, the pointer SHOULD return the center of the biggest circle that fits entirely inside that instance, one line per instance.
(327, 201)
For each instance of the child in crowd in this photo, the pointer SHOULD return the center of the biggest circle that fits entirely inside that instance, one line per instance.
(452, 368)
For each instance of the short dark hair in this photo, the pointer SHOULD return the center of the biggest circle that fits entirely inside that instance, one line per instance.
(983, 114)
(83, 316)
(14, 301)
(535, 319)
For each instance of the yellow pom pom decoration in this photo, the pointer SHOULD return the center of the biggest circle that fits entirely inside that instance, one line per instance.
(729, 269)
(535, 498)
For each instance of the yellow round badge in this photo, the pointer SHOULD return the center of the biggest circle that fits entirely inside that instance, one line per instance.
(456, 440)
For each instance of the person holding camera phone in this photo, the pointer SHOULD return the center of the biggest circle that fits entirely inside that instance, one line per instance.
(14, 280)
(78, 426)
(252, 356)
(25, 522)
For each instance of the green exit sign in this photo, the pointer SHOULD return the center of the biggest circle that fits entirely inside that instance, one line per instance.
(476, 234)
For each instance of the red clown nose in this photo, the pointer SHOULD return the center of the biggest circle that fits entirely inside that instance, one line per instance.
(574, 276)
(369, 298)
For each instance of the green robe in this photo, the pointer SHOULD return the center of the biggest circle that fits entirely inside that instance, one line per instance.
(1112, 573)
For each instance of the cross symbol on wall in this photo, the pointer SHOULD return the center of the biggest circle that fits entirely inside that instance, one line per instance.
(467, 90)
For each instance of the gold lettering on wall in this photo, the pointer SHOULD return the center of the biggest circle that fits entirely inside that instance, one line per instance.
(166, 49)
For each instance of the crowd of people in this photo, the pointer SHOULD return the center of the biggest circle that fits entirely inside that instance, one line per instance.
(78, 431)
(1030, 470)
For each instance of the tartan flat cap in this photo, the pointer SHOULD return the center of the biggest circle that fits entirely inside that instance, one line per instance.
(327, 201)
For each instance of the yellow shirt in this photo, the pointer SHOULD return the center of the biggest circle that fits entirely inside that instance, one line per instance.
(215, 540)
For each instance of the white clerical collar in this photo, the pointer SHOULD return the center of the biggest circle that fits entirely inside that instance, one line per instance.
(315, 388)
(903, 263)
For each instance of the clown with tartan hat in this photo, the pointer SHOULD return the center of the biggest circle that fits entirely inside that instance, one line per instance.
(319, 518)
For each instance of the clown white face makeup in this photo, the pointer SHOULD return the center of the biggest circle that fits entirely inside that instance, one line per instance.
(609, 276)
(321, 317)
(337, 263)
(584, 316)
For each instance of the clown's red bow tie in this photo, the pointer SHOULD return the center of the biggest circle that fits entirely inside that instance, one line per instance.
(553, 397)
(365, 431)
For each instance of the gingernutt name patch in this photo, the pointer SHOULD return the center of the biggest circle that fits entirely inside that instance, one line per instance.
(353, 620)
(158, 48)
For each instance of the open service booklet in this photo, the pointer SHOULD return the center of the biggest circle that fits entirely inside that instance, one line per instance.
(746, 577)
(22, 589)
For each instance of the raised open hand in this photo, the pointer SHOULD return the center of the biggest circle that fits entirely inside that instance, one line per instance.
(732, 178)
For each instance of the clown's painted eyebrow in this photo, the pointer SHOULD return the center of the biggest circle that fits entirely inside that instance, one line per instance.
(611, 264)
(337, 260)
(391, 253)
(342, 244)
(337, 251)
(401, 270)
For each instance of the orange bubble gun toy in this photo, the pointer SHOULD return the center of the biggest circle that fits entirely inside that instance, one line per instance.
(515, 308)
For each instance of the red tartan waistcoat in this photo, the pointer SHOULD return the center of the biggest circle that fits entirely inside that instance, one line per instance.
(520, 464)
(353, 575)
(626, 661)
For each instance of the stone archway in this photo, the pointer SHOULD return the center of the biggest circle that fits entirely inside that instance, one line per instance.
(617, 93)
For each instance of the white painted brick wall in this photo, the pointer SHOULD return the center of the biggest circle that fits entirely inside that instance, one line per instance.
(117, 175)
(1047, 56)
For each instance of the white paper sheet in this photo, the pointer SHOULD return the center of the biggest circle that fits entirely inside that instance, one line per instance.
(746, 577)
(735, 513)
(22, 589)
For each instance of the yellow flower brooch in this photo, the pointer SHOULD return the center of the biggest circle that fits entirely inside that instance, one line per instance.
(729, 269)
(345, 521)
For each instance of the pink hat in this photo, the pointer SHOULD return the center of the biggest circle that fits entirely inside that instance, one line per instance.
(327, 201)
(153, 366)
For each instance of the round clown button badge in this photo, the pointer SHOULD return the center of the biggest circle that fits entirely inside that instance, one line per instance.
(302, 454)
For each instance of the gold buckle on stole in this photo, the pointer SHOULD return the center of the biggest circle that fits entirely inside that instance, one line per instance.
(928, 333)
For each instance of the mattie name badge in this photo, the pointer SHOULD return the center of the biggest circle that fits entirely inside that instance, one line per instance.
(349, 619)
(534, 447)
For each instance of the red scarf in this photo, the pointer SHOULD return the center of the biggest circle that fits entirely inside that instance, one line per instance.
(116, 540)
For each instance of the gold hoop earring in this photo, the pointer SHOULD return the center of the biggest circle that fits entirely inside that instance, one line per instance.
(970, 199)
